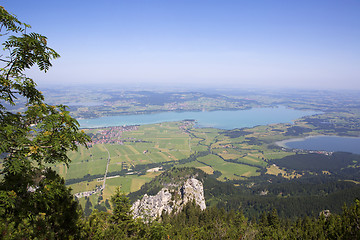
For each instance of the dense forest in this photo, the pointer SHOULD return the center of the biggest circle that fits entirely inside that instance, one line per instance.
(35, 203)
(215, 223)
(292, 198)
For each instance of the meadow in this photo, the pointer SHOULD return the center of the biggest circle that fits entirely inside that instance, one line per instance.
(139, 153)
(158, 145)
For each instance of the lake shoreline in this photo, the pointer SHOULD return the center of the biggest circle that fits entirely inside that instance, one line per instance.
(283, 143)
(226, 120)
(329, 143)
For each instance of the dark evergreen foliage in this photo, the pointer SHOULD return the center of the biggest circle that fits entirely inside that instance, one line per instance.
(235, 133)
(216, 223)
(36, 204)
(319, 162)
(296, 131)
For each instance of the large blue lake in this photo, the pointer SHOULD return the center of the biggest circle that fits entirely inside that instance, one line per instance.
(325, 143)
(217, 119)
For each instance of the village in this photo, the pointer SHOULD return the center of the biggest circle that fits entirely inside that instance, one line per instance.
(295, 150)
(110, 135)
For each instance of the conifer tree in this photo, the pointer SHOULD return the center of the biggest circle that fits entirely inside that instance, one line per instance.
(121, 207)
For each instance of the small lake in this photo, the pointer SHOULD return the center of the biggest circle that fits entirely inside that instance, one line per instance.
(216, 119)
(324, 143)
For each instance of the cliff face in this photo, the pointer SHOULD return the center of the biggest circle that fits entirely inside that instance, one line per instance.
(170, 199)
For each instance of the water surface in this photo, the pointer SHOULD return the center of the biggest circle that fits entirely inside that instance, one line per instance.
(217, 119)
(325, 143)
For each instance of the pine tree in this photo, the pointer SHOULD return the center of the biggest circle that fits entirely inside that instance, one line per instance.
(121, 216)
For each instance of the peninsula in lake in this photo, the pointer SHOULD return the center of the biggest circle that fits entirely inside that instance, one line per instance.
(230, 135)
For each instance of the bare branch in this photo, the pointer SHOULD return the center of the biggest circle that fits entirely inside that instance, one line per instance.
(3, 60)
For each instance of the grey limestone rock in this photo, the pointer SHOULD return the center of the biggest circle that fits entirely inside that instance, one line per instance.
(170, 199)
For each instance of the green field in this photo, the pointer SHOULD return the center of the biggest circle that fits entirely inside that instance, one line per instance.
(158, 144)
(149, 144)
(169, 142)
(229, 170)
(236, 154)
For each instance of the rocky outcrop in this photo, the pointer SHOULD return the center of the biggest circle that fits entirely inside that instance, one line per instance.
(169, 199)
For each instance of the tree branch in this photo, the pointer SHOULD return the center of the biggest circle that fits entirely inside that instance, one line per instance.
(3, 60)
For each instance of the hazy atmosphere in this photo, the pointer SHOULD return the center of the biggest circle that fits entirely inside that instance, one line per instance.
(298, 44)
(180, 119)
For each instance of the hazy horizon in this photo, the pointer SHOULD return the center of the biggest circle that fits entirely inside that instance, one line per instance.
(227, 44)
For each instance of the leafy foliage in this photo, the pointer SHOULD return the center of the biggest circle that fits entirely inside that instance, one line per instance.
(33, 198)
(46, 210)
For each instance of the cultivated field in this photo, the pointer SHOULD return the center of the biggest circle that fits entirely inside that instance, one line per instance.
(139, 153)
(159, 144)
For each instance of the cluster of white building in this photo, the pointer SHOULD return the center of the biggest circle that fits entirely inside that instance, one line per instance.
(88, 193)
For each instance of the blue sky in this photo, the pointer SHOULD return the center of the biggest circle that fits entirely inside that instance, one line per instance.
(223, 43)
